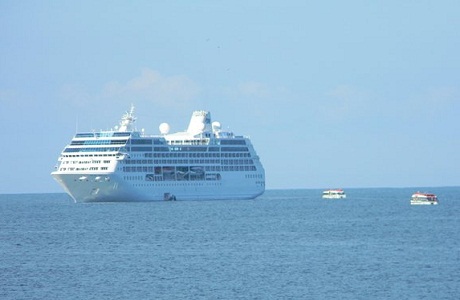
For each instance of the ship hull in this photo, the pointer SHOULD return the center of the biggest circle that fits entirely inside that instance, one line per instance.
(423, 202)
(334, 197)
(112, 188)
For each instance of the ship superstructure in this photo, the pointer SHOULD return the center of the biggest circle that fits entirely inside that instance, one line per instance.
(202, 163)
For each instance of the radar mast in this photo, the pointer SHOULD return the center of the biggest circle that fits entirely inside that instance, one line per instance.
(127, 120)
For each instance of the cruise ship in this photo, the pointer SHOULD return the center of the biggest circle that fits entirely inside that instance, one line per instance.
(124, 164)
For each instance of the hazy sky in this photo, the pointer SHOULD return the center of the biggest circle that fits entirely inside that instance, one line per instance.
(332, 93)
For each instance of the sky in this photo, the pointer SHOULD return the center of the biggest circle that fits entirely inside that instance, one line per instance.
(332, 93)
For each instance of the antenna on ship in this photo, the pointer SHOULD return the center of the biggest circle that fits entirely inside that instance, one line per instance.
(127, 120)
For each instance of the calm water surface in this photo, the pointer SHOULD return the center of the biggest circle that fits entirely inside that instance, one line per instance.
(287, 244)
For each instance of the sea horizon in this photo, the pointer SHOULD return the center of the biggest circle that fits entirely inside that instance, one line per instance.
(284, 189)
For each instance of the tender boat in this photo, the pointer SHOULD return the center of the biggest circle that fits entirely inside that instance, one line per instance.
(334, 194)
(424, 199)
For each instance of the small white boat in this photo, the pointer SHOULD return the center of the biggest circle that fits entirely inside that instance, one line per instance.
(334, 194)
(424, 199)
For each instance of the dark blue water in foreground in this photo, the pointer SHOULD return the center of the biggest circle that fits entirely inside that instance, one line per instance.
(287, 244)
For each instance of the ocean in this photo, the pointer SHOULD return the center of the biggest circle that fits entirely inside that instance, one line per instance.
(286, 244)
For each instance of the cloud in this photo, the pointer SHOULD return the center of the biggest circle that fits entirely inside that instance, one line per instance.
(152, 93)
(76, 95)
(253, 89)
(151, 86)
(442, 97)
(434, 103)
(257, 100)
(345, 101)
(7, 97)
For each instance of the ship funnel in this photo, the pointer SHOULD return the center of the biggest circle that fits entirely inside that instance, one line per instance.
(200, 122)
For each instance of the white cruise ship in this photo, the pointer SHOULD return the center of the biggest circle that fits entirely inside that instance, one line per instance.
(201, 163)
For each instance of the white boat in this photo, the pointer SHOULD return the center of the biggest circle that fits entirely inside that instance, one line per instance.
(334, 194)
(419, 198)
(124, 164)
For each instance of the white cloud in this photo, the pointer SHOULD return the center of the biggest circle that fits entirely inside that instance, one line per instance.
(253, 89)
(257, 102)
(75, 95)
(344, 101)
(433, 102)
(151, 86)
(7, 98)
(442, 98)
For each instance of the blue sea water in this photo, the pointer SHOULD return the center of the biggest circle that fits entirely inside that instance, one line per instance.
(287, 244)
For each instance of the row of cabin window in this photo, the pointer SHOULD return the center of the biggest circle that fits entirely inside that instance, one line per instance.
(84, 169)
(155, 149)
(92, 149)
(85, 162)
(207, 168)
(206, 155)
(88, 155)
(186, 142)
(187, 149)
(98, 142)
(102, 134)
(189, 161)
